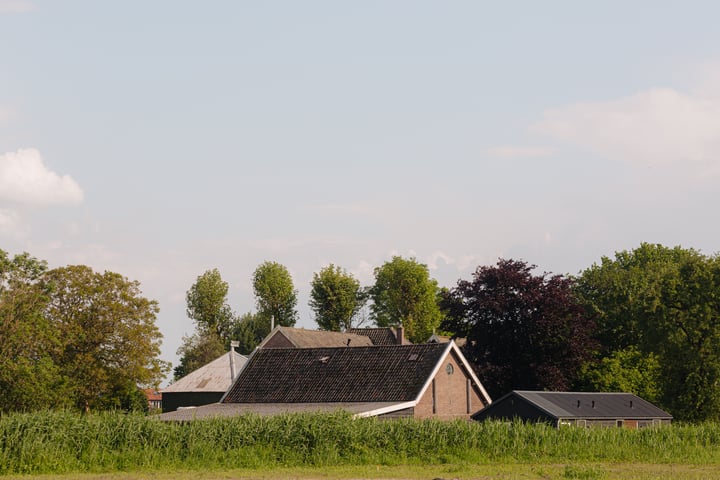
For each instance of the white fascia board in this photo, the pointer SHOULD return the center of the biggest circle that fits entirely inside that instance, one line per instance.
(388, 409)
(471, 372)
(435, 370)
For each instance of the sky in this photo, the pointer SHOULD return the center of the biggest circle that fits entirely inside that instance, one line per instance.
(162, 139)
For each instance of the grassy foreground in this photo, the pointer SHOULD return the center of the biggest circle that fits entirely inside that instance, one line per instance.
(336, 446)
(485, 472)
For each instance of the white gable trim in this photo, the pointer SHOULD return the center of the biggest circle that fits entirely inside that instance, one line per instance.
(452, 347)
(471, 373)
(388, 409)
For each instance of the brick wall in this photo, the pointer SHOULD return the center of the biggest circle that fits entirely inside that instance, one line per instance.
(450, 394)
(278, 341)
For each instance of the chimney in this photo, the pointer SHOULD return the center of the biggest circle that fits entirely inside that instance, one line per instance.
(399, 335)
(233, 344)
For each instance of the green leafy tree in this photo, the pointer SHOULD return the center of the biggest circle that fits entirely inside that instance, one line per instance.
(249, 331)
(214, 323)
(523, 331)
(664, 303)
(110, 343)
(627, 370)
(405, 295)
(207, 304)
(29, 377)
(275, 294)
(336, 298)
(196, 351)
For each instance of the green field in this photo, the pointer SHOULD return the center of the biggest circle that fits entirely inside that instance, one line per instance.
(115, 445)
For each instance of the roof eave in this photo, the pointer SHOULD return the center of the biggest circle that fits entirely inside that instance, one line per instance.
(389, 409)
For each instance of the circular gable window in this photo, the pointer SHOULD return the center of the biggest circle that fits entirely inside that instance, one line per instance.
(449, 369)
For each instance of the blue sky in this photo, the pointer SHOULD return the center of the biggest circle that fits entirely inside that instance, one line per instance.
(161, 139)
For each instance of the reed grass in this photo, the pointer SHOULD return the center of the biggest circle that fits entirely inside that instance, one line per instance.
(65, 442)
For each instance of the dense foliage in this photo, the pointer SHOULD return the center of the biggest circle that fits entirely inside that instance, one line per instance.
(275, 294)
(62, 443)
(336, 298)
(523, 331)
(74, 337)
(661, 306)
(214, 323)
(405, 295)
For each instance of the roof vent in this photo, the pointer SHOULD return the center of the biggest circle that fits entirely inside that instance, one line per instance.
(413, 357)
(578, 404)
(324, 359)
(593, 404)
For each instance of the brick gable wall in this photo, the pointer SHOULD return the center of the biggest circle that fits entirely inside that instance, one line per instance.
(451, 394)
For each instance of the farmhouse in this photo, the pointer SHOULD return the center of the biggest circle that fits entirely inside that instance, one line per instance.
(431, 380)
(205, 385)
(576, 408)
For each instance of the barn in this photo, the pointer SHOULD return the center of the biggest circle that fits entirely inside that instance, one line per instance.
(582, 409)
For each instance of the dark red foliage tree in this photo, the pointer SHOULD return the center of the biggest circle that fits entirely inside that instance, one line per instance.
(523, 331)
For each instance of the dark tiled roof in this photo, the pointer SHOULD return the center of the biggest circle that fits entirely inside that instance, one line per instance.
(379, 335)
(589, 405)
(363, 374)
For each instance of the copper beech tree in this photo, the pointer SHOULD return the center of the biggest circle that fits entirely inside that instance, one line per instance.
(523, 331)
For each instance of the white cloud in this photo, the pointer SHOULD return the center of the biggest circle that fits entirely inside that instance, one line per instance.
(24, 178)
(10, 224)
(511, 151)
(16, 6)
(656, 127)
(432, 260)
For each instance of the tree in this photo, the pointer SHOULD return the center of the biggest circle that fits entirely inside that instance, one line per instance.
(665, 303)
(335, 297)
(29, 378)
(214, 323)
(275, 294)
(249, 331)
(405, 295)
(196, 351)
(523, 331)
(110, 342)
(207, 304)
(627, 370)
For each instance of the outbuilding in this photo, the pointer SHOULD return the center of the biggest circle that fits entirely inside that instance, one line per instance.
(205, 385)
(583, 409)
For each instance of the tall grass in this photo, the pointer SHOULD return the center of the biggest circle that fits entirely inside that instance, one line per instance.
(60, 442)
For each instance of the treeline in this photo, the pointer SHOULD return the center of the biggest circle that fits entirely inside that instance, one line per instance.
(74, 338)
(403, 294)
(646, 321)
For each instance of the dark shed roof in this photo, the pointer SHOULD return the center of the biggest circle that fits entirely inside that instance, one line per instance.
(362, 374)
(572, 405)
